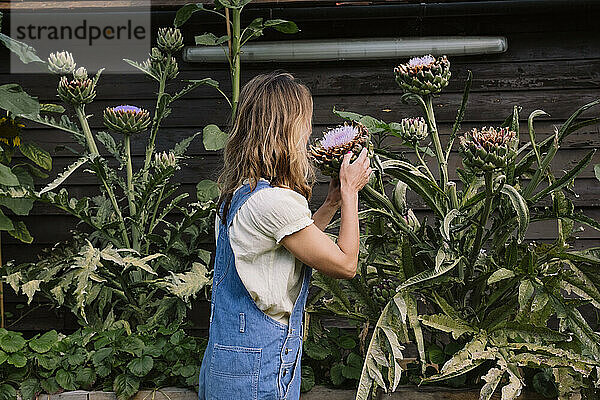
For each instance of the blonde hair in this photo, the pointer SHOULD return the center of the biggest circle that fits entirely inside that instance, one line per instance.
(266, 140)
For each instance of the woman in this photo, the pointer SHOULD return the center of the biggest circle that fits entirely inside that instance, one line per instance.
(265, 235)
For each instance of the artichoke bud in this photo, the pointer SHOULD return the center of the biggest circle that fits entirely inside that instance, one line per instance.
(126, 120)
(169, 39)
(76, 91)
(412, 220)
(384, 290)
(423, 75)
(61, 63)
(488, 149)
(414, 129)
(328, 153)
(399, 197)
(164, 160)
(156, 54)
(80, 74)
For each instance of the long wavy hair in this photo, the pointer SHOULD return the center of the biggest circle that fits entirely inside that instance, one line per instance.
(266, 139)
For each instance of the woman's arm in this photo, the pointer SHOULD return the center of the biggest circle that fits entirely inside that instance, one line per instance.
(314, 248)
(325, 213)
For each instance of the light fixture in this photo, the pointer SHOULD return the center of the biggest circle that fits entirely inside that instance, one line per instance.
(352, 49)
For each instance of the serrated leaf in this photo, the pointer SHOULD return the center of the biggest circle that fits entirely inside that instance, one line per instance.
(207, 190)
(11, 342)
(525, 293)
(125, 386)
(44, 343)
(214, 138)
(448, 324)
(36, 154)
(141, 366)
(499, 275)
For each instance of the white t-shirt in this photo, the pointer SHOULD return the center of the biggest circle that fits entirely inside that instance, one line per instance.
(270, 273)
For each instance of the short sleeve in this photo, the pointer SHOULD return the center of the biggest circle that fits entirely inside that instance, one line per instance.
(278, 212)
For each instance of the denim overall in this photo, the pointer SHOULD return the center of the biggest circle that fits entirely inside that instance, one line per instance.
(249, 355)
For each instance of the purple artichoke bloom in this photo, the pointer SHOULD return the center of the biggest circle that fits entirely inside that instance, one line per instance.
(339, 136)
(128, 108)
(420, 61)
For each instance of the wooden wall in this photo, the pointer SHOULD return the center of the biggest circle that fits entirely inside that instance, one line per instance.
(552, 63)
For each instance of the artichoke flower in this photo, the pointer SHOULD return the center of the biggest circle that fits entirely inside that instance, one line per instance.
(80, 74)
(488, 149)
(384, 290)
(165, 160)
(76, 91)
(423, 75)
(61, 63)
(159, 64)
(169, 39)
(414, 129)
(126, 119)
(328, 153)
(10, 129)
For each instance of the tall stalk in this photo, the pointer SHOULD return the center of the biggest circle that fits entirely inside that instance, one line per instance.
(158, 114)
(130, 192)
(484, 215)
(439, 152)
(85, 126)
(235, 60)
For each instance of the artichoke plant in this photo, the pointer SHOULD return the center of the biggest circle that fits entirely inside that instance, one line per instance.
(469, 277)
(61, 63)
(76, 91)
(423, 75)
(127, 120)
(165, 160)
(413, 129)
(328, 152)
(488, 149)
(169, 40)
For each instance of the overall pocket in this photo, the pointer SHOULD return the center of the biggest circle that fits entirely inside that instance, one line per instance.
(234, 372)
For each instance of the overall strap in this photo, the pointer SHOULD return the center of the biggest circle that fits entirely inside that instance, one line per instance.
(240, 197)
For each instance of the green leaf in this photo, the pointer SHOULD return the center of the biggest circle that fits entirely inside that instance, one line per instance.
(66, 379)
(316, 351)
(44, 343)
(346, 342)
(65, 174)
(520, 207)
(29, 388)
(207, 190)
(11, 342)
(308, 379)
(525, 293)
(141, 366)
(126, 386)
(18, 206)
(85, 377)
(492, 379)
(16, 101)
(5, 223)
(3, 357)
(336, 374)
(442, 322)
(36, 154)
(21, 232)
(209, 39)
(50, 385)
(185, 12)
(186, 285)
(7, 392)
(214, 138)
(282, 25)
(7, 178)
(17, 359)
(54, 108)
(499, 275)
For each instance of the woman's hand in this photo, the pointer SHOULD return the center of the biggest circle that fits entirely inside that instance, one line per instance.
(334, 196)
(354, 176)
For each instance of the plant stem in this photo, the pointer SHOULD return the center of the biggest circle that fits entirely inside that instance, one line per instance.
(158, 113)
(130, 192)
(423, 163)
(85, 126)
(484, 216)
(439, 152)
(151, 226)
(235, 57)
